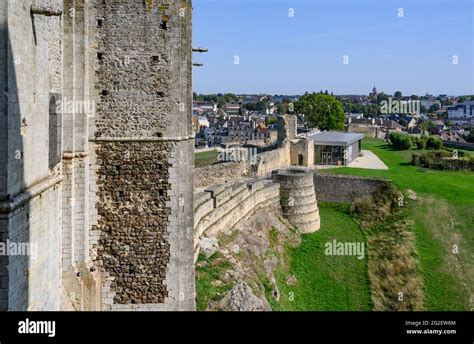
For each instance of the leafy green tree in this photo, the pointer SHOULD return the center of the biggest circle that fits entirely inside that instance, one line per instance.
(282, 108)
(373, 110)
(433, 108)
(470, 137)
(260, 106)
(381, 97)
(398, 94)
(427, 125)
(322, 111)
(358, 108)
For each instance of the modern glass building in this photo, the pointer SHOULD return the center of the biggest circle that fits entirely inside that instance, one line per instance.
(336, 148)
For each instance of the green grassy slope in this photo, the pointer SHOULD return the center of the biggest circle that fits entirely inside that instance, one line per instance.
(326, 283)
(444, 218)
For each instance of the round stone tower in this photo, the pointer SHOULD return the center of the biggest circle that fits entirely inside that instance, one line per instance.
(298, 198)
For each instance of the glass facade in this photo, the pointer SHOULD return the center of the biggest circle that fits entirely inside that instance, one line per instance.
(329, 155)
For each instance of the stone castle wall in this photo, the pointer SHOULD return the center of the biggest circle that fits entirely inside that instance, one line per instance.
(113, 217)
(30, 189)
(368, 130)
(272, 160)
(228, 172)
(219, 208)
(344, 189)
(142, 139)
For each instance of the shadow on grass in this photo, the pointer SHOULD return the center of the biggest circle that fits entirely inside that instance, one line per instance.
(405, 164)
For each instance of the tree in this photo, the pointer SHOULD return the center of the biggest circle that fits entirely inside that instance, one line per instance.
(282, 108)
(260, 106)
(427, 125)
(381, 97)
(398, 94)
(373, 110)
(321, 110)
(470, 137)
(433, 108)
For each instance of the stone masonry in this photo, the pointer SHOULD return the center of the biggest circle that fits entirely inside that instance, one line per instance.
(97, 154)
(298, 199)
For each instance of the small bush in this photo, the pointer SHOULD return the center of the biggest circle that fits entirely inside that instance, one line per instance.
(400, 141)
(420, 142)
(434, 143)
(377, 207)
(443, 160)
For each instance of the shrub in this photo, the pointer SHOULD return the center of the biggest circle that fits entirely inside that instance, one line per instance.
(400, 141)
(460, 154)
(420, 142)
(434, 143)
(416, 159)
(378, 206)
(443, 160)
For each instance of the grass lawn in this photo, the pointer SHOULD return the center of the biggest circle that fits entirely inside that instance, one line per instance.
(326, 283)
(205, 158)
(443, 224)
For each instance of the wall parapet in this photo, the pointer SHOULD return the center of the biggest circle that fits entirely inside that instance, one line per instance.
(221, 207)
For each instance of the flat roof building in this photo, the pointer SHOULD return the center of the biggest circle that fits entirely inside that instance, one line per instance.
(336, 148)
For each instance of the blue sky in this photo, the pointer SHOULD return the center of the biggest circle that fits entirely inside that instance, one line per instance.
(280, 54)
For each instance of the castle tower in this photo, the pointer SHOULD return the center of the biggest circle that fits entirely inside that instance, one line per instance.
(143, 148)
(31, 83)
(97, 158)
(286, 128)
(298, 198)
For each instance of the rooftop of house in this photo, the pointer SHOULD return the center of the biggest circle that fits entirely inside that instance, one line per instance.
(468, 102)
(203, 103)
(335, 138)
(438, 122)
